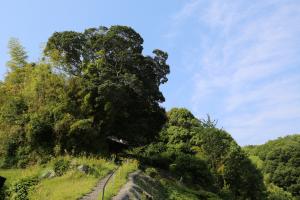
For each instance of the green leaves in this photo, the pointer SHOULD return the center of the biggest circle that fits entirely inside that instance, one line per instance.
(21, 188)
(206, 155)
(89, 86)
(67, 51)
(39, 130)
(121, 85)
(17, 53)
(281, 164)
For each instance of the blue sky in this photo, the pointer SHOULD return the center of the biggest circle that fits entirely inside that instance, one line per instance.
(238, 61)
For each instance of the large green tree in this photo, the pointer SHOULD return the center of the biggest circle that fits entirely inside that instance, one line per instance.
(89, 86)
(120, 92)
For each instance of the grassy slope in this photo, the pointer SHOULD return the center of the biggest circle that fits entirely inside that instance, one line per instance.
(162, 187)
(13, 175)
(71, 185)
(74, 184)
(172, 190)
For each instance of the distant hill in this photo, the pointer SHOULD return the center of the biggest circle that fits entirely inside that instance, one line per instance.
(279, 161)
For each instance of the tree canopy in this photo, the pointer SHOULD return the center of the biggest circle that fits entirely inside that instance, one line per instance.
(17, 53)
(121, 92)
(281, 162)
(88, 86)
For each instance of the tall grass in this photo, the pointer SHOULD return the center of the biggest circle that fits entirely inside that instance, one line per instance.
(119, 179)
(102, 166)
(71, 185)
(12, 175)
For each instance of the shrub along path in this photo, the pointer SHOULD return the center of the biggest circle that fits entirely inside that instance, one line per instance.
(93, 195)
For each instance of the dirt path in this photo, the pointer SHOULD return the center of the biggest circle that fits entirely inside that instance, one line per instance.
(93, 195)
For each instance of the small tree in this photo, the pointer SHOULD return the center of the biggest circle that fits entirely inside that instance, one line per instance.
(17, 53)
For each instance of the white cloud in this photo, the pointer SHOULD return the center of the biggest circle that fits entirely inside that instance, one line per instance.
(248, 59)
(186, 11)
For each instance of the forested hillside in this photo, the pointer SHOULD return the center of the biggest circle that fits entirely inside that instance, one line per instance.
(203, 157)
(279, 161)
(92, 86)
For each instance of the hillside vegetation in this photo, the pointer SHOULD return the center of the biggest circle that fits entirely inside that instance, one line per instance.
(203, 157)
(95, 97)
(59, 179)
(279, 161)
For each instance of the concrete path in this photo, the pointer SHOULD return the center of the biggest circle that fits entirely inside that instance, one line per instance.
(93, 195)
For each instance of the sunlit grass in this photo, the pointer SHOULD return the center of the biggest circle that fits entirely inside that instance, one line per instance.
(71, 186)
(102, 166)
(12, 175)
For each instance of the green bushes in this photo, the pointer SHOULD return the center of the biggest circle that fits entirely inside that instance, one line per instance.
(20, 190)
(39, 131)
(277, 193)
(3, 192)
(185, 167)
(61, 166)
(152, 172)
(192, 170)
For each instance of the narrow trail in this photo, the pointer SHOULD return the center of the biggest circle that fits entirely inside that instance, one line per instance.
(93, 195)
(130, 190)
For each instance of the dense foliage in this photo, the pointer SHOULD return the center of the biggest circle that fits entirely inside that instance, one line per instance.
(281, 163)
(201, 155)
(89, 86)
